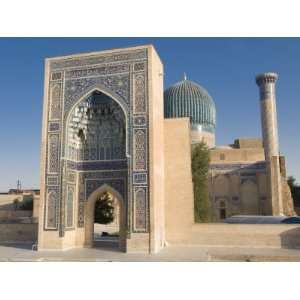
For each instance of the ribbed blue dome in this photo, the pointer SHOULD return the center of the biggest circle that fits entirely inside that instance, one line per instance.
(188, 99)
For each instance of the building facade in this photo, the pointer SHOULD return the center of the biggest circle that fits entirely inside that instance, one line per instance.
(246, 177)
(108, 127)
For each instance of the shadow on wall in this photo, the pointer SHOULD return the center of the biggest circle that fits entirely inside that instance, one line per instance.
(7, 206)
(290, 239)
(19, 245)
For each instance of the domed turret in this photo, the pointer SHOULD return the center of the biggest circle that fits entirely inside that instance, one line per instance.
(188, 99)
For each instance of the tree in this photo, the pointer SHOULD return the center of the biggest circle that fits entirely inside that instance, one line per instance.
(200, 167)
(295, 190)
(104, 209)
(26, 204)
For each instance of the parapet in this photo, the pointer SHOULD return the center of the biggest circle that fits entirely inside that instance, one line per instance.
(242, 143)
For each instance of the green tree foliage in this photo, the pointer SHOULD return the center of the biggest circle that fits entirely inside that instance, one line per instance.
(200, 167)
(26, 205)
(295, 190)
(104, 209)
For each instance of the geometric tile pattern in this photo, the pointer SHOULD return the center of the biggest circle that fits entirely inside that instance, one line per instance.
(52, 180)
(53, 126)
(71, 177)
(70, 206)
(140, 149)
(139, 120)
(53, 167)
(52, 199)
(90, 181)
(140, 209)
(53, 160)
(55, 108)
(139, 93)
(97, 165)
(75, 89)
(123, 77)
(96, 59)
(140, 178)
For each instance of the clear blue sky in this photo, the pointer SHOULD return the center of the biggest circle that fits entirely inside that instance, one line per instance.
(226, 67)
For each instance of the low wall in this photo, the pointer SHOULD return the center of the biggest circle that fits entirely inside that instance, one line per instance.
(14, 214)
(18, 232)
(6, 201)
(240, 235)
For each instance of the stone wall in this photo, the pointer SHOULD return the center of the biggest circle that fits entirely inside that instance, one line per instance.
(238, 180)
(14, 214)
(237, 189)
(179, 197)
(224, 155)
(209, 138)
(156, 152)
(6, 201)
(241, 235)
(248, 143)
(17, 232)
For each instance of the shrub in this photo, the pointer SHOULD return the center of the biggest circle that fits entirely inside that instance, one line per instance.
(26, 204)
(200, 167)
(295, 190)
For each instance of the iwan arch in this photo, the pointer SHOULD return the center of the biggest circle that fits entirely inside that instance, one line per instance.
(104, 131)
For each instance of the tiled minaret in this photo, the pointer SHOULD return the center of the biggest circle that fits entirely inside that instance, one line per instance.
(266, 83)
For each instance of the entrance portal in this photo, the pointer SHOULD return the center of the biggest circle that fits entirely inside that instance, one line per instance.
(103, 126)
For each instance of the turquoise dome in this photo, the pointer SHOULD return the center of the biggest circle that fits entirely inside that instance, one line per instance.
(188, 99)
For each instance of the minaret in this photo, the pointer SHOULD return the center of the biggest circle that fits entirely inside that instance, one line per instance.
(266, 83)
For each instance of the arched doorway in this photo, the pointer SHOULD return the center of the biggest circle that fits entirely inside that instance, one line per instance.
(117, 239)
(249, 194)
(107, 222)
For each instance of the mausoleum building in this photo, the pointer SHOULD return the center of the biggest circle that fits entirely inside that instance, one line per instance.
(108, 126)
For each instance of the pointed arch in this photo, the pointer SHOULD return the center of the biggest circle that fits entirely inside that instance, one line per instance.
(102, 189)
(249, 195)
(90, 209)
(107, 92)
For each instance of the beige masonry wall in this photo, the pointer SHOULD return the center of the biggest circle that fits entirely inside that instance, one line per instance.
(156, 158)
(197, 136)
(6, 201)
(179, 205)
(236, 185)
(14, 214)
(17, 232)
(244, 235)
(236, 155)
